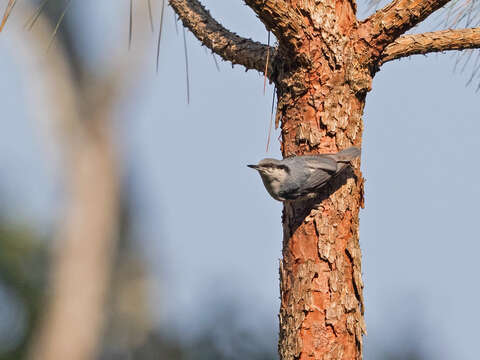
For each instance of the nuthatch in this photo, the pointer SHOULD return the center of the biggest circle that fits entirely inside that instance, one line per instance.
(302, 176)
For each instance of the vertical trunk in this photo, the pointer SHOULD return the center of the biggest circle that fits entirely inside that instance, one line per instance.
(321, 100)
(72, 325)
(321, 314)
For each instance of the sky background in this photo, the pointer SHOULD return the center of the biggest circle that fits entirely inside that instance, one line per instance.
(207, 226)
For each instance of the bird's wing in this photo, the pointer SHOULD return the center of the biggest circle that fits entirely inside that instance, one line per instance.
(322, 162)
(316, 170)
(322, 168)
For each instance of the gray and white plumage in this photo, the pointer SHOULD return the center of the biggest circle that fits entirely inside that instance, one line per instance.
(302, 176)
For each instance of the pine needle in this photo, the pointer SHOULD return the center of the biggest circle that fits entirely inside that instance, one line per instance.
(462, 13)
(467, 61)
(160, 33)
(476, 68)
(8, 10)
(33, 19)
(57, 26)
(216, 62)
(150, 14)
(186, 64)
(266, 65)
(176, 22)
(130, 25)
(271, 119)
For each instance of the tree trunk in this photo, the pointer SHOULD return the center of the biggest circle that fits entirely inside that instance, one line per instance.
(321, 313)
(73, 323)
(323, 68)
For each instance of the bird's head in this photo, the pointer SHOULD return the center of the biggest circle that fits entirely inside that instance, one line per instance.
(271, 168)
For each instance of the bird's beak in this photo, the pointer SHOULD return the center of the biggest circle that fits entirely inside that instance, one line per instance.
(253, 166)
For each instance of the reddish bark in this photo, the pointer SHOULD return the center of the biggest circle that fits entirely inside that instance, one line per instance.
(321, 99)
(321, 314)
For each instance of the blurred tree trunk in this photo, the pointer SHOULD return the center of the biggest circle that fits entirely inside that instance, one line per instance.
(83, 255)
(84, 247)
(323, 68)
(82, 106)
(71, 324)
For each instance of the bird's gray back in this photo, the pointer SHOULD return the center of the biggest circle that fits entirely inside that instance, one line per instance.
(323, 162)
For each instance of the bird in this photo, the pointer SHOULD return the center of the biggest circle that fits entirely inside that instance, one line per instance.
(303, 176)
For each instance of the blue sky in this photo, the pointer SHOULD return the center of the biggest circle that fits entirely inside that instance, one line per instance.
(207, 225)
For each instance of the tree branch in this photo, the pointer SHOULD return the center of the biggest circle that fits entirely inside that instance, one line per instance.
(387, 24)
(212, 34)
(281, 18)
(431, 42)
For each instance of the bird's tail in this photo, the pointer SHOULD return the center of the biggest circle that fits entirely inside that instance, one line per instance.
(347, 154)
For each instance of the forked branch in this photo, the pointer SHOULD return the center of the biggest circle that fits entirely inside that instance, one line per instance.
(280, 17)
(212, 34)
(431, 42)
(387, 24)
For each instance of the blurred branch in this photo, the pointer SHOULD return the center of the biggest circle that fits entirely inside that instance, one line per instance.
(432, 42)
(212, 34)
